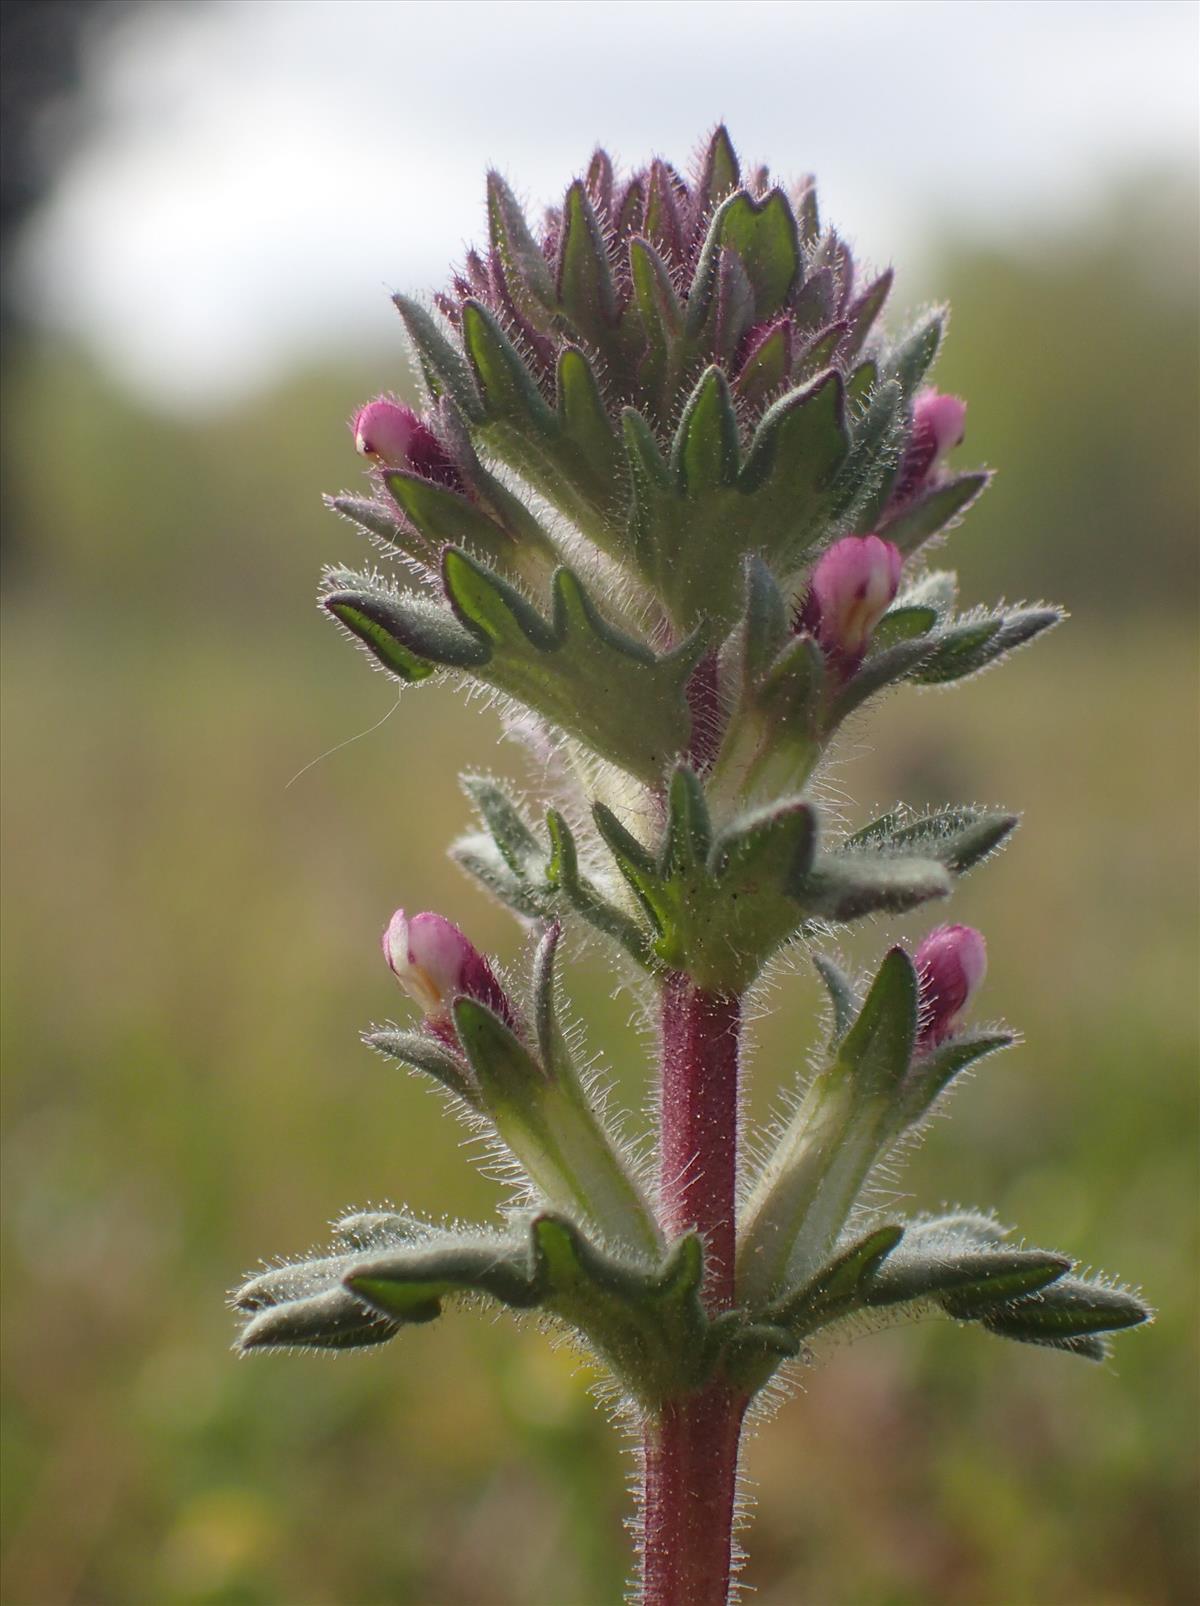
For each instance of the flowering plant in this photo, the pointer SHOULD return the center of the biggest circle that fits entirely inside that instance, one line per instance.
(670, 500)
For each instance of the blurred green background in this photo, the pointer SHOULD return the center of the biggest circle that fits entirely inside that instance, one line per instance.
(192, 908)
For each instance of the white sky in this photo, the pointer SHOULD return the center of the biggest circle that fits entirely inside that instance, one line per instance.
(263, 172)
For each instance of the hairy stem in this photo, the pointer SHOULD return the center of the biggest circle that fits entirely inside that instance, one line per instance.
(691, 1446)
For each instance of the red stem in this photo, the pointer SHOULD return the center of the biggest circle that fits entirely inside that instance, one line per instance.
(691, 1447)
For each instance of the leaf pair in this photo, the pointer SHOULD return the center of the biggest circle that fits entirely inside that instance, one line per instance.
(957, 1264)
(646, 1321)
(523, 1079)
(574, 668)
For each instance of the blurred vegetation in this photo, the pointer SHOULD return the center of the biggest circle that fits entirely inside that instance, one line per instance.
(190, 946)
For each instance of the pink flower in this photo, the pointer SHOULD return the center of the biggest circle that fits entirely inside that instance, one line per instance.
(951, 963)
(435, 964)
(388, 433)
(939, 424)
(852, 587)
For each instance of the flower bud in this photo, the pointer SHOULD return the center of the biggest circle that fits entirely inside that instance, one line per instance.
(435, 964)
(939, 424)
(941, 418)
(388, 433)
(852, 588)
(951, 964)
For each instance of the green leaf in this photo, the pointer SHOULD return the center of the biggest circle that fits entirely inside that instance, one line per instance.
(846, 886)
(936, 589)
(774, 681)
(840, 1284)
(911, 359)
(972, 643)
(688, 835)
(479, 856)
(959, 838)
(600, 179)
(551, 1044)
(863, 484)
(410, 1283)
(380, 521)
(585, 285)
(648, 1325)
(530, 547)
(646, 1321)
(793, 683)
(721, 172)
(563, 877)
(705, 455)
(661, 316)
(333, 1320)
(816, 304)
(639, 867)
(902, 623)
(378, 1229)
(860, 384)
(763, 630)
(842, 995)
(631, 214)
(423, 1053)
(718, 912)
(807, 214)
(879, 669)
(508, 389)
(445, 517)
(937, 1070)
(504, 820)
(878, 1048)
(758, 866)
(409, 637)
(800, 442)
(732, 311)
(544, 1117)
(763, 233)
(294, 1280)
(1068, 1314)
(650, 484)
(582, 414)
(933, 511)
(663, 222)
(820, 351)
(577, 670)
(526, 272)
(768, 365)
(863, 313)
(445, 372)
(967, 1283)
(768, 850)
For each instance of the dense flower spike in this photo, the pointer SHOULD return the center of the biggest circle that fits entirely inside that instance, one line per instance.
(664, 498)
(951, 964)
(435, 964)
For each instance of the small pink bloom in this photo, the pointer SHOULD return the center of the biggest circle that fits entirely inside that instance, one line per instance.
(852, 587)
(951, 964)
(435, 964)
(941, 416)
(388, 433)
(939, 424)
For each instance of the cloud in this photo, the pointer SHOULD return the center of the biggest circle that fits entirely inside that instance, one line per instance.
(264, 171)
